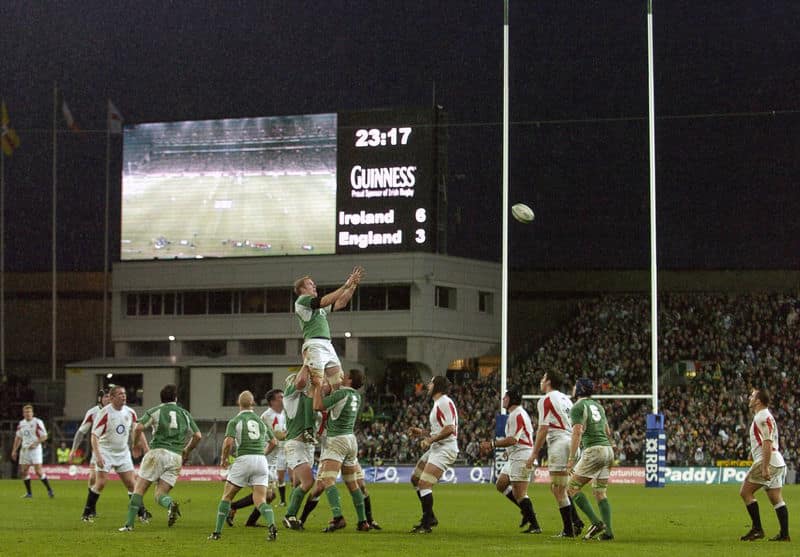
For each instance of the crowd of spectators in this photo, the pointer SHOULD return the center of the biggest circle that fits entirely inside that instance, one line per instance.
(385, 439)
(713, 349)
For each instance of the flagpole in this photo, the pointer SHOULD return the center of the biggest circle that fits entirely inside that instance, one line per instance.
(53, 241)
(105, 244)
(2, 267)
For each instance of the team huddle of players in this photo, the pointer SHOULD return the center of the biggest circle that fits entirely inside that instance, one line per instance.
(319, 406)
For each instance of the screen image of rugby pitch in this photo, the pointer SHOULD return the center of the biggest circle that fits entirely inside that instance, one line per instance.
(229, 188)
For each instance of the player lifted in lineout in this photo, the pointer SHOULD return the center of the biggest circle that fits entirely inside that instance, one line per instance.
(319, 356)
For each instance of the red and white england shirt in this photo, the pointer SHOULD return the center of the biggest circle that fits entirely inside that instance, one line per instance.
(443, 414)
(519, 426)
(554, 410)
(113, 428)
(764, 428)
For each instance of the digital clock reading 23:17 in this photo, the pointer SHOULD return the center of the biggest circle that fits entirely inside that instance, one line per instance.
(374, 137)
(386, 184)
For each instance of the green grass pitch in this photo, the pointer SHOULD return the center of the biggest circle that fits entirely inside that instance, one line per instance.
(474, 520)
(215, 216)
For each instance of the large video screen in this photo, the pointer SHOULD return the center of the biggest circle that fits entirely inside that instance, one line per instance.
(272, 186)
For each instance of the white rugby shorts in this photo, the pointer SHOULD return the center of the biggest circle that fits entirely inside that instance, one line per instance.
(440, 455)
(249, 470)
(319, 354)
(777, 476)
(298, 452)
(517, 470)
(595, 462)
(342, 448)
(30, 457)
(119, 462)
(161, 464)
(277, 459)
(557, 454)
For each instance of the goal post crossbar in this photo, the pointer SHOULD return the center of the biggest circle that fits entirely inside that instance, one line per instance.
(630, 397)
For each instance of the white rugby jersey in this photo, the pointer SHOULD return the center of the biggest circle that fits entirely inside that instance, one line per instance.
(29, 431)
(519, 426)
(554, 410)
(765, 428)
(113, 428)
(89, 419)
(442, 414)
(275, 420)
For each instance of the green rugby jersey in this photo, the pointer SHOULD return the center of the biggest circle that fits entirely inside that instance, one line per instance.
(314, 322)
(342, 405)
(249, 433)
(591, 415)
(170, 424)
(297, 406)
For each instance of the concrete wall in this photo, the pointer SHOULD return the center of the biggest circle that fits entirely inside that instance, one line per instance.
(82, 384)
(207, 388)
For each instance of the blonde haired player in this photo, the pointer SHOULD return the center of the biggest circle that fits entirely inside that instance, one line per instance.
(319, 356)
(112, 438)
(28, 442)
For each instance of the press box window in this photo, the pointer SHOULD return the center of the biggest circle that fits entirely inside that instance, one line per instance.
(485, 302)
(234, 383)
(445, 297)
(133, 383)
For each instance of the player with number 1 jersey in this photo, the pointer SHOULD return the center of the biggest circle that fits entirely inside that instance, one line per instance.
(170, 425)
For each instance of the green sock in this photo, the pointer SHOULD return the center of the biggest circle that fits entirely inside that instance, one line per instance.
(295, 501)
(358, 503)
(332, 493)
(133, 508)
(165, 501)
(584, 505)
(222, 513)
(605, 511)
(266, 512)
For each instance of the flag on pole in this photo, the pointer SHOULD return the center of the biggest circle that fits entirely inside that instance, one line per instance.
(114, 118)
(10, 140)
(71, 124)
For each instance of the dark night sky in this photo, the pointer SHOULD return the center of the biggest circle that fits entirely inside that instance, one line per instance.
(727, 136)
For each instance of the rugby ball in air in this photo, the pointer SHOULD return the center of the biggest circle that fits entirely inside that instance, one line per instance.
(522, 213)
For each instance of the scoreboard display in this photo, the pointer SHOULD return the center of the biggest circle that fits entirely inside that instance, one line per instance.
(352, 182)
(386, 188)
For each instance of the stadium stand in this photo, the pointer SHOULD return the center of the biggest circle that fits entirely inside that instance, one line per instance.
(714, 348)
